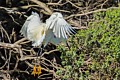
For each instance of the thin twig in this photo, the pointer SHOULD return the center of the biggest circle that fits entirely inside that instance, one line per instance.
(42, 5)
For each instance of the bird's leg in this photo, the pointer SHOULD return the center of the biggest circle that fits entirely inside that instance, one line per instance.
(39, 52)
(37, 67)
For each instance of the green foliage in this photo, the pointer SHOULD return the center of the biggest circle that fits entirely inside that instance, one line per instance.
(94, 53)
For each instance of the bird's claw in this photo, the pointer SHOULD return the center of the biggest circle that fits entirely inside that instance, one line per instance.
(36, 70)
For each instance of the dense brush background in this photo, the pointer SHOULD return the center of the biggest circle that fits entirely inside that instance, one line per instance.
(93, 53)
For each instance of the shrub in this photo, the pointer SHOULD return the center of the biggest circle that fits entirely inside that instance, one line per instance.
(94, 53)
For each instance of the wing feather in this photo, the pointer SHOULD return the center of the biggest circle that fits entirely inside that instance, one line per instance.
(50, 37)
(68, 31)
(55, 28)
(59, 26)
(59, 32)
(63, 32)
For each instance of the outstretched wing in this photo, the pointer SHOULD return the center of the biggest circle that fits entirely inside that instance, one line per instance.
(33, 29)
(59, 26)
(32, 21)
(50, 37)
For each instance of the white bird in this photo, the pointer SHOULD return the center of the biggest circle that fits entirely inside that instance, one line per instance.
(55, 30)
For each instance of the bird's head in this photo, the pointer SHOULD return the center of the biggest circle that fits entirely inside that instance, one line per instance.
(56, 15)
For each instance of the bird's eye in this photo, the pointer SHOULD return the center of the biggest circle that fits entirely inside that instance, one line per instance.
(54, 16)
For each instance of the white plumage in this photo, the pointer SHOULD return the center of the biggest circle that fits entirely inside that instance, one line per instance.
(55, 30)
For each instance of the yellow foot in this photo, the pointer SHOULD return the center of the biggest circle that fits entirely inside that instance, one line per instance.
(36, 70)
(39, 70)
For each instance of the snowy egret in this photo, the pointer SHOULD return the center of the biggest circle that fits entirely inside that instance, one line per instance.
(55, 30)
